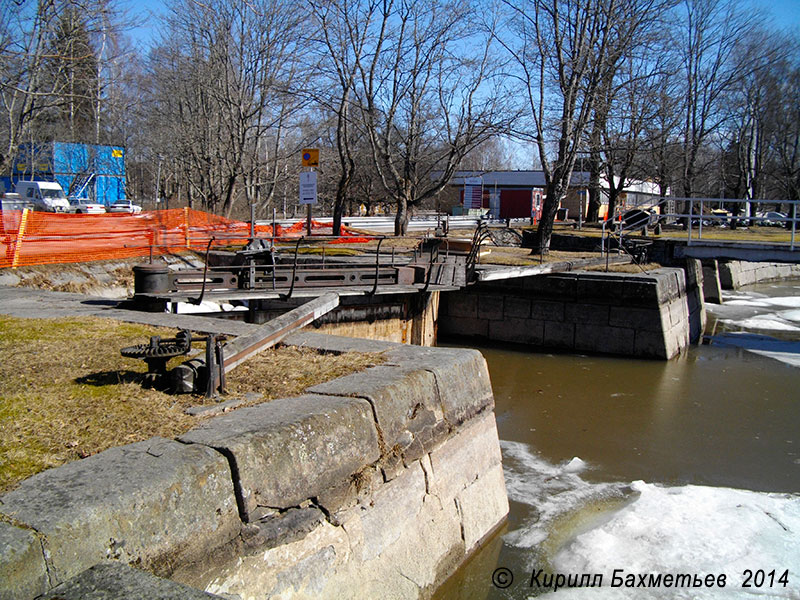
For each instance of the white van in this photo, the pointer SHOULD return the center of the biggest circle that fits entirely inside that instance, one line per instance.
(45, 195)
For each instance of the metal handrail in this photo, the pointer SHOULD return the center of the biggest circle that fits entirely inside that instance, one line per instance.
(693, 215)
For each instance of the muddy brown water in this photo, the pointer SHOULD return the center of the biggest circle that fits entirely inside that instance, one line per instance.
(717, 416)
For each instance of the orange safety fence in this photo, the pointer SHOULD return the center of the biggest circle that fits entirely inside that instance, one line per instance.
(36, 238)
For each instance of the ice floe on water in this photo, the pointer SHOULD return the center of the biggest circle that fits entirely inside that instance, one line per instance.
(769, 322)
(785, 351)
(752, 313)
(642, 529)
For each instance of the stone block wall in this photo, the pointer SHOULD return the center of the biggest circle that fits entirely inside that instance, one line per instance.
(734, 274)
(383, 480)
(645, 315)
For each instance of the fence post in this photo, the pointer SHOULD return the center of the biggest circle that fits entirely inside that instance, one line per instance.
(700, 230)
(186, 225)
(20, 235)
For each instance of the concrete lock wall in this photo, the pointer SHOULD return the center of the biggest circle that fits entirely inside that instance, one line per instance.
(376, 484)
(654, 314)
(401, 318)
(736, 273)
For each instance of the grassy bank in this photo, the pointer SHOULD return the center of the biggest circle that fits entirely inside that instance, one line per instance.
(67, 393)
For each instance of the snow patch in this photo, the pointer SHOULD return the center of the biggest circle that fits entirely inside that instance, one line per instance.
(659, 529)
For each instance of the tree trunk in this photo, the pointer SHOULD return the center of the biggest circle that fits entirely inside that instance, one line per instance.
(554, 194)
(593, 212)
(613, 195)
(338, 207)
(401, 218)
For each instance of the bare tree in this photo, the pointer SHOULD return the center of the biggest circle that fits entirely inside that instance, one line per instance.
(709, 33)
(429, 93)
(752, 107)
(564, 51)
(27, 91)
(223, 76)
(55, 71)
(345, 30)
(785, 142)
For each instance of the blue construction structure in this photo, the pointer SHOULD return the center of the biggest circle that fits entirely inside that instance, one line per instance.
(83, 170)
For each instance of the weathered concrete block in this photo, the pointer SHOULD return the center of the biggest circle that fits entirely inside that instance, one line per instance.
(694, 273)
(462, 380)
(466, 456)
(599, 288)
(406, 536)
(460, 304)
(520, 331)
(381, 526)
(559, 335)
(728, 275)
(517, 307)
(670, 283)
(678, 312)
(23, 573)
(291, 449)
(676, 339)
(463, 326)
(651, 344)
(490, 306)
(400, 399)
(155, 503)
(640, 319)
(712, 289)
(639, 291)
(586, 313)
(560, 286)
(546, 310)
(115, 581)
(482, 506)
(605, 339)
(283, 528)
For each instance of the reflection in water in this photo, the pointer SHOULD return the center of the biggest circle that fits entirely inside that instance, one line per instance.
(717, 418)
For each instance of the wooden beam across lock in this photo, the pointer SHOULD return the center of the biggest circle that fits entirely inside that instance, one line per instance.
(267, 335)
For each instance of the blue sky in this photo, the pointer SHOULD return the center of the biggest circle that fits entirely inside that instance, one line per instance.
(784, 14)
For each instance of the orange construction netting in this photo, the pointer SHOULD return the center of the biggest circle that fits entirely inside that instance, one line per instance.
(37, 238)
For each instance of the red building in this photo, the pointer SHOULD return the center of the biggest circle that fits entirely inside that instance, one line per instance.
(520, 194)
(506, 194)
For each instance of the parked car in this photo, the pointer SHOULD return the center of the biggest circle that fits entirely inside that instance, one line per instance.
(772, 218)
(81, 206)
(125, 206)
(639, 219)
(45, 195)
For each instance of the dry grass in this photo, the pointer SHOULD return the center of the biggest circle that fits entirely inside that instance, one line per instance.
(81, 278)
(505, 255)
(752, 234)
(67, 393)
(629, 268)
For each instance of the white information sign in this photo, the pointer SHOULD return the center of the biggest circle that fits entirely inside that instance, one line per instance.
(308, 187)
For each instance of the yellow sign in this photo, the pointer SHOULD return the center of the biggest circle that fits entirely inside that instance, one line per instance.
(116, 153)
(310, 157)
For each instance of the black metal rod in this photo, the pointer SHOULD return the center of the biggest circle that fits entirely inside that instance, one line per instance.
(199, 301)
(294, 268)
(377, 265)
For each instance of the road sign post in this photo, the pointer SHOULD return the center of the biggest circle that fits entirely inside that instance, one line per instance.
(309, 158)
(308, 194)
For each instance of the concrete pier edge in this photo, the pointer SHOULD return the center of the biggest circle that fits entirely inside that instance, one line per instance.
(392, 474)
